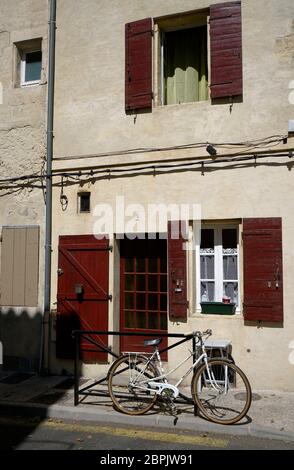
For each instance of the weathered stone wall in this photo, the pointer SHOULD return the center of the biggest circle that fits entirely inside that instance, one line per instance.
(22, 152)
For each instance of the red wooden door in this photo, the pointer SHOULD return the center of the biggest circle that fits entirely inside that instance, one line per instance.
(143, 299)
(82, 298)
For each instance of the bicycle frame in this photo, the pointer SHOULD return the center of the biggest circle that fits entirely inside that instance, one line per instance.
(164, 375)
(138, 379)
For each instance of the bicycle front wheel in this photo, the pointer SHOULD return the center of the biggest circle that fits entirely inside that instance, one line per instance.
(128, 384)
(221, 391)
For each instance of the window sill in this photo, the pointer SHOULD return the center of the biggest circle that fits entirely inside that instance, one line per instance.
(236, 317)
(30, 84)
(181, 105)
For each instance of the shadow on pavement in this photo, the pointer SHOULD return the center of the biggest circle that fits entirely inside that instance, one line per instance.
(25, 396)
(20, 418)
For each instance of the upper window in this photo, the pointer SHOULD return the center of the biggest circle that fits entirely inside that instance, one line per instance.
(28, 62)
(218, 265)
(178, 59)
(184, 59)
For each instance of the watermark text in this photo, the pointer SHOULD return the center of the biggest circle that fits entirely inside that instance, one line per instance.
(138, 221)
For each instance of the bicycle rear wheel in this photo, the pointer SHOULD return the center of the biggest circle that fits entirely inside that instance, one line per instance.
(221, 391)
(128, 384)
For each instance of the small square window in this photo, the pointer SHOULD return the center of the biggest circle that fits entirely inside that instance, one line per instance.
(84, 202)
(28, 62)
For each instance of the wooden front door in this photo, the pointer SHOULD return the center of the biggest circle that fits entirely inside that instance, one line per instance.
(82, 298)
(143, 298)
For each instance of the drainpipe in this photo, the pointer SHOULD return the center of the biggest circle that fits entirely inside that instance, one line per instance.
(45, 341)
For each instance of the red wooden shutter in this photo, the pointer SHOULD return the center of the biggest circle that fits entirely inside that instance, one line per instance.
(83, 261)
(226, 50)
(263, 269)
(177, 272)
(138, 79)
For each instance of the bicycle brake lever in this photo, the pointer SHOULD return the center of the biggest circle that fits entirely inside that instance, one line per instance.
(207, 333)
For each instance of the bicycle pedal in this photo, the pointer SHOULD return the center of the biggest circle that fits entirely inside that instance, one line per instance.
(174, 410)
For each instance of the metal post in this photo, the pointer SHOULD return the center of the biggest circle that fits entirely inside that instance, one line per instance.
(194, 360)
(48, 216)
(76, 370)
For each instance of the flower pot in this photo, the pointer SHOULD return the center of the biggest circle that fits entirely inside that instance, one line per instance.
(218, 308)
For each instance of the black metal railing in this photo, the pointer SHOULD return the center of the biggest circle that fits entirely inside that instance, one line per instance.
(87, 336)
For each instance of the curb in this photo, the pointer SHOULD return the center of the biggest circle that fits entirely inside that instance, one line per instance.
(149, 420)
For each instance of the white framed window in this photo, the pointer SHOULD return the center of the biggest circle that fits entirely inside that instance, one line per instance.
(27, 63)
(31, 67)
(217, 265)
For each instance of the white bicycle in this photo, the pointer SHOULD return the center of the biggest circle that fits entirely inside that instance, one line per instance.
(220, 389)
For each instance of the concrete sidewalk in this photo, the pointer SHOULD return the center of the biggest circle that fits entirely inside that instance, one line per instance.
(271, 414)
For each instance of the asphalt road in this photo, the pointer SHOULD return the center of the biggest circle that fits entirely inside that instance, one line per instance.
(19, 433)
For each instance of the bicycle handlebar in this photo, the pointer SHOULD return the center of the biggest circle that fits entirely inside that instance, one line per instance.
(199, 334)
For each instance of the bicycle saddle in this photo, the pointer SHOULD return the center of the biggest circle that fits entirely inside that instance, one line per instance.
(152, 342)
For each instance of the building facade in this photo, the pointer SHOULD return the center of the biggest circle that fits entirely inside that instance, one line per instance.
(23, 90)
(168, 111)
(162, 105)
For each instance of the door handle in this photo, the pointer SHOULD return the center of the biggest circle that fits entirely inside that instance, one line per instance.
(179, 285)
(277, 276)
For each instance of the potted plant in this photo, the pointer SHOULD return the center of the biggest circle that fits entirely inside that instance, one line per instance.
(226, 307)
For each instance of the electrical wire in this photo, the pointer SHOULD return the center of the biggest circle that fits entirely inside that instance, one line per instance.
(164, 167)
(265, 142)
(77, 174)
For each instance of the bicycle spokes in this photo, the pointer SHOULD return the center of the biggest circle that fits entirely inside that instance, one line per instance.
(128, 384)
(217, 388)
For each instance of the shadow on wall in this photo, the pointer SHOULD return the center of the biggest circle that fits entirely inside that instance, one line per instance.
(20, 385)
(20, 335)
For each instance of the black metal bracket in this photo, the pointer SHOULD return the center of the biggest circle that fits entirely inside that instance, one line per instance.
(86, 334)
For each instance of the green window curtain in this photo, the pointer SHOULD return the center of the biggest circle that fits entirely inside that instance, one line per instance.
(186, 66)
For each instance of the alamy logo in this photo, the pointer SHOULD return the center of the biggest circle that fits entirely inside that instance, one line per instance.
(135, 220)
(291, 355)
